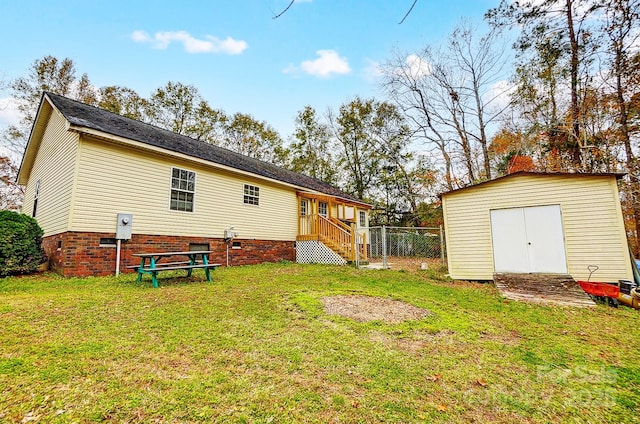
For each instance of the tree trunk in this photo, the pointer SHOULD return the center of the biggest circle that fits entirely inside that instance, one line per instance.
(574, 67)
(634, 184)
(483, 134)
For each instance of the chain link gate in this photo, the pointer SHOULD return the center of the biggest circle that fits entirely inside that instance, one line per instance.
(405, 247)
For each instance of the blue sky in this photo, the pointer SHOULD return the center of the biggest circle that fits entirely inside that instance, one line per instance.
(320, 52)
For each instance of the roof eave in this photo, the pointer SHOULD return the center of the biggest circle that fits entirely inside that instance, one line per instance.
(31, 149)
(617, 175)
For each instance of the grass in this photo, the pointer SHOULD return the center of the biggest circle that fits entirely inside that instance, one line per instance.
(255, 346)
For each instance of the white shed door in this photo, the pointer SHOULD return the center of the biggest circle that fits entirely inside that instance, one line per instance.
(528, 240)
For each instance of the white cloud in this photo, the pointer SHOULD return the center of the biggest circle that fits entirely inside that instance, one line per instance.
(373, 71)
(326, 65)
(209, 44)
(140, 37)
(290, 69)
(498, 96)
(418, 66)
(9, 114)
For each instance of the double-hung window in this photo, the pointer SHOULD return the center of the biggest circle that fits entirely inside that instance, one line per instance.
(363, 219)
(251, 195)
(322, 209)
(183, 188)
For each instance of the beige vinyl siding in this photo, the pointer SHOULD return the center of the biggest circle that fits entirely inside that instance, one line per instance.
(54, 166)
(591, 217)
(114, 179)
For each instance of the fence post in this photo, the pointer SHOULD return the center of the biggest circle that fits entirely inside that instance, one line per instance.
(364, 246)
(384, 247)
(441, 245)
(354, 254)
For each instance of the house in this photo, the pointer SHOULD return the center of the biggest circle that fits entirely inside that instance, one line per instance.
(529, 222)
(83, 165)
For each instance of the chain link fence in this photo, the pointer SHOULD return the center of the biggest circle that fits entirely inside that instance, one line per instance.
(405, 247)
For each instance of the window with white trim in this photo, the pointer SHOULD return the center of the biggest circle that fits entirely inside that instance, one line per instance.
(251, 195)
(363, 219)
(35, 199)
(303, 207)
(322, 209)
(183, 188)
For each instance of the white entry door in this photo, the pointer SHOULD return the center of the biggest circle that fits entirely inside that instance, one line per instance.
(528, 240)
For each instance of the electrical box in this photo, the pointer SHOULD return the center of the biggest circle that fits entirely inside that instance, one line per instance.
(123, 229)
(229, 235)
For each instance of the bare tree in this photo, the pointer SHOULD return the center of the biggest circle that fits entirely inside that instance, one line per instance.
(482, 63)
(451, 95)
(407, 84)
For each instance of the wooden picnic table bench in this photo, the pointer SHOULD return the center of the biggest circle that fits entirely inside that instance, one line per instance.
(195, 259)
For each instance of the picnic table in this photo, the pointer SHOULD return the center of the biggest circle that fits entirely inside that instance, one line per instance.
(193, 260)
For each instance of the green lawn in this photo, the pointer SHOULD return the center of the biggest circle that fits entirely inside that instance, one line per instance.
(256, 346)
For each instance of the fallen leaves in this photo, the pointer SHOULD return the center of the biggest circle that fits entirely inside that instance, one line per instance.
(481, 382)
(434, 377)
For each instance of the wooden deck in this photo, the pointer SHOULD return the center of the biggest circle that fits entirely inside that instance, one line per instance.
(550, 289)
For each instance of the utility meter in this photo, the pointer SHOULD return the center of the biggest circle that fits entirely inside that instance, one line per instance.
(123, 229)
(229, 235)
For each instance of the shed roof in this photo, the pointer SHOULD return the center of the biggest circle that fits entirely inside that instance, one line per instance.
(85, 116)
(617, 175)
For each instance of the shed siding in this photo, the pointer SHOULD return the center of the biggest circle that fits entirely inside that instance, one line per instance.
(54, 166)
(591, 216)
(116, 179)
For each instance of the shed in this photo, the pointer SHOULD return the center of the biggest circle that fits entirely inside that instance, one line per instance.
(528, 222)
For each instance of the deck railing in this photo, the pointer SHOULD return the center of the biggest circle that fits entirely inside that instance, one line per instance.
(337, 235)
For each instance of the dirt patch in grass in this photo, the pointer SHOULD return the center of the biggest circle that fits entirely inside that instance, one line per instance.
(370, 308)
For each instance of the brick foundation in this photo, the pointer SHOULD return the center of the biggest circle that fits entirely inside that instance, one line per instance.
(74, 254)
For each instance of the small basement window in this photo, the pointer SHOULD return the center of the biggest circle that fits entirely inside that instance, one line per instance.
(251, 195)
(198, 247)
(108, 242)
(236, 245)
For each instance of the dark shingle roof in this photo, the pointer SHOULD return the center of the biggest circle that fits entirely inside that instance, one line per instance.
(83, 115)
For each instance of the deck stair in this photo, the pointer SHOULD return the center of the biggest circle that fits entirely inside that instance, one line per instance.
(335, 235)
(554, 289)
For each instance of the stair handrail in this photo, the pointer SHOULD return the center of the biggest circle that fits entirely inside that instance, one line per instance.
(339, 238)
(340, 224)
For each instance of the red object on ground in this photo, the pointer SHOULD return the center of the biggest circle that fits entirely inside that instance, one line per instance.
(600, 289)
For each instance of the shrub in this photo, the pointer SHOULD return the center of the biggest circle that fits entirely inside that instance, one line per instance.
(20, 244)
